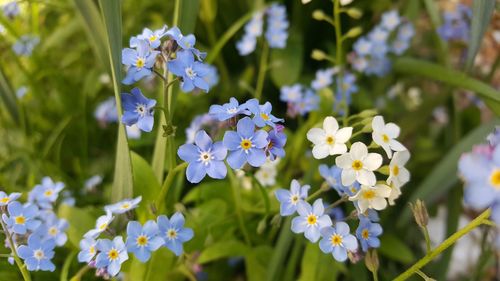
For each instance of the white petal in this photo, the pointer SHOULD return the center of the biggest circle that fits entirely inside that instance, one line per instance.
(377, 138)
(392, 130)
(348, 176)
(321, 151)
(343, 135)
(383, 190)
(372, 161)
(378, 203)
(316, 135)
(363, 205)
(387, 150)
(397, 146)
(344, 161)
(400, 158)
(378, 123)
(330, 125)
(338, 149)
(358, 150)
(404, 176)
(364, 177)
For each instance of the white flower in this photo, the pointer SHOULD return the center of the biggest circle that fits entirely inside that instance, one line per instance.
(358, 165)
(345, 2)
(372, 197)
(385, 134)
(329, 140)
(123, 206)
(398, 174)
(101, 225)
(266, 175)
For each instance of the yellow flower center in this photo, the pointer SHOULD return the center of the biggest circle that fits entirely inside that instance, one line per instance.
(48, 193)
(395, 170)
(365, 234)
(113, 254)
(368, 194)
(142, 240)
(53, 231)
(264, 116)
(385, 138)
(20, 219)
(312, 219)
(357, 165)
(246, 144)
(5, 200)
(171, 233)
(92, 249)
(139, 63)
(495, 179)
(336, 239)
(103, 226)
(152, 38)
(125, 206)
(330, 140)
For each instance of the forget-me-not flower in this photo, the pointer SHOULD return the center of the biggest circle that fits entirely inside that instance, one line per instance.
(5, 198)
(192, 72)
(123, 206)
(46, 193)
(329, 140)
(204, 157)
(137, 109)
(37, 255)
(358, 165)
(290, 198)
(368, 233)
(277, 141)
(173, 232)
(228, 110)
(101, 225)
(53, 228)
(150, 36)
(140, 61)
(337, 240)
(262, 113)
(142, 240)
(311, 219)
(88, 250)
(111, 255)
(21, 218)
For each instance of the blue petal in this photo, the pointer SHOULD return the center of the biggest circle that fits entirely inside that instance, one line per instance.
(203, 141)
(246, 127)
(217, 169)
(195, 172)
(146, 123)
(232, 140)
(256, 157)
(237, 159)
(188, 152)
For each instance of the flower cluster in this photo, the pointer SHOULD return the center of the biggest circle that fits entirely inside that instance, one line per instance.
(456, 26)
(392, 35)
(353, 178)
(276, 33)
(480, 170)
(257, 136)
(11, 9)
(25, 44)
(108, 254)
(32, 229)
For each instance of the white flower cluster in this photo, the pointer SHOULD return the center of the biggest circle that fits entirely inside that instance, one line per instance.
(358, 165)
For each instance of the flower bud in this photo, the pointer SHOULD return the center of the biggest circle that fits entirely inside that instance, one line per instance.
(169, 130)
(318, 54)
(169, 47)
(261, 227)
(367, 113)
(353, 32)
(354, 13)
(318, 15)
(371, 260)
(420, 213)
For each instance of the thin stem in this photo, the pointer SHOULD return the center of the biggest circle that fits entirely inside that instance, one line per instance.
(322, 189)
(262, 70)
(167, 183)
(338, 202)
(375, 275)
(159, 75)
(443, 246)
(19, 263)
(78, 276)
(422, 274)
(427, 239)
(237, 207)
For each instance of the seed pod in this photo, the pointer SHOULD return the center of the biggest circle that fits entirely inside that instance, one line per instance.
(420, 213)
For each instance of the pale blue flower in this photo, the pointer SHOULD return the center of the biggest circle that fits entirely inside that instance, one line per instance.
(254, 26)
(323, 79)
(456, 26)
(228, 110)
(277, 25)
(88, 250)
(142, 240)
(11, 9)
(37, 255)
(262, 113)
(140, 61)
(246, 45)
(123, 206)
(152, 37)
(5, 198)
(46, 193)
(204, 157)
(174, 233)
(186, 42)
(292, 93)
(277, 141)
(101, 225)
(92, 182)
(53, 228)
(212, 77)
(368, 233)
(21, 218)
(192, 72)
(390, 20)
(111, 255)
(21, 92)
(197, 124)
(337, 240)
(246, 145)
(290, 198)
(106, 112)
(311, 219)
(137, 109)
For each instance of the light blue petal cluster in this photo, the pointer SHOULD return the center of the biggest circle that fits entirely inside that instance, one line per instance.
(142, 240)
(137, 109)
(173, 232)
(311, 220)
(112, 253)
(289, 199)
(37, 255)
(338, 241)
(456, 25)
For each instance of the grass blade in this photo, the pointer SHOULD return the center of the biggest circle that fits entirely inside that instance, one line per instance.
(481, 16)
(8, 98)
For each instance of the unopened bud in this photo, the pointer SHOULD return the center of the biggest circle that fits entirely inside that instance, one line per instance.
(367, 113)
(384, 170)
(261, 227)
(354, 13)
(169, 130)
(371, 260)
(368, 126)
(420, 213)
(318, 54)
(169, 47)
(354, 32)
(276, 220)
(318, 15)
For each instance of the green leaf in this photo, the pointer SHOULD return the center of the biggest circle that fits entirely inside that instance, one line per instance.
(286, 64)
(208, 11)
(444, 175)
(317, 265)
(160, 264)
(123, 181)
(223, 249)
(145, 183)
(280, 251)
(256, 262)
(395, 249)
(80, 221)
(188, 13)
(450, 77)
(481, 16)
(8, 98)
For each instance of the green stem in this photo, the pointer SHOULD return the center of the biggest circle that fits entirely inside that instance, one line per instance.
(237, 206)
(19, 263)
(427, 239)
(443, 246)
(322, 189)
(338, 202)
(339, 58)
(375, 275)
(262, 70)
(422, 274)
(78, 276)
(167, 183)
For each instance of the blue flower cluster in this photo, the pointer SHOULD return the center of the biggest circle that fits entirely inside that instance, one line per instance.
(480, 170)
(300, 100)
(25, 44)
(257, 136)
(456, 26)
(10, 9)
(391, 36)
(276, 33)
(107, 255)
(36, 223)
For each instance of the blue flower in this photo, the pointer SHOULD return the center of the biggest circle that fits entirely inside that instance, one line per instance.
(5, 198)
(140, 61)
(186, 42)
(308, 103)
(323, 79)
(53, 229)
(111, 255)
(11, 9)
(406, 31)
(390, 20)
(204, 157)
(277, 141)
(262, 113)
(291, 93)
(198, 122)
(370, 215)
(399, 46)
(368, 234)
(246, 145)
(277, 25)
(105, 111)
(228, 110)
(92, 182)
(246, 45)
(311, 220)
(138, 110)
(337, 240)
(88, 250)
(142, 240)
(456, 26)
(152, 37)
(46, 193)
(345, 88)
(25, 44)
(192, 72)
(212, 77)
(37, 255)
(21, 218)
(101, 225)
(174, 233)
(21, 92)
(362, 46)
(289, 199)
(332, 176)
(254, 26)
(123, 206)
